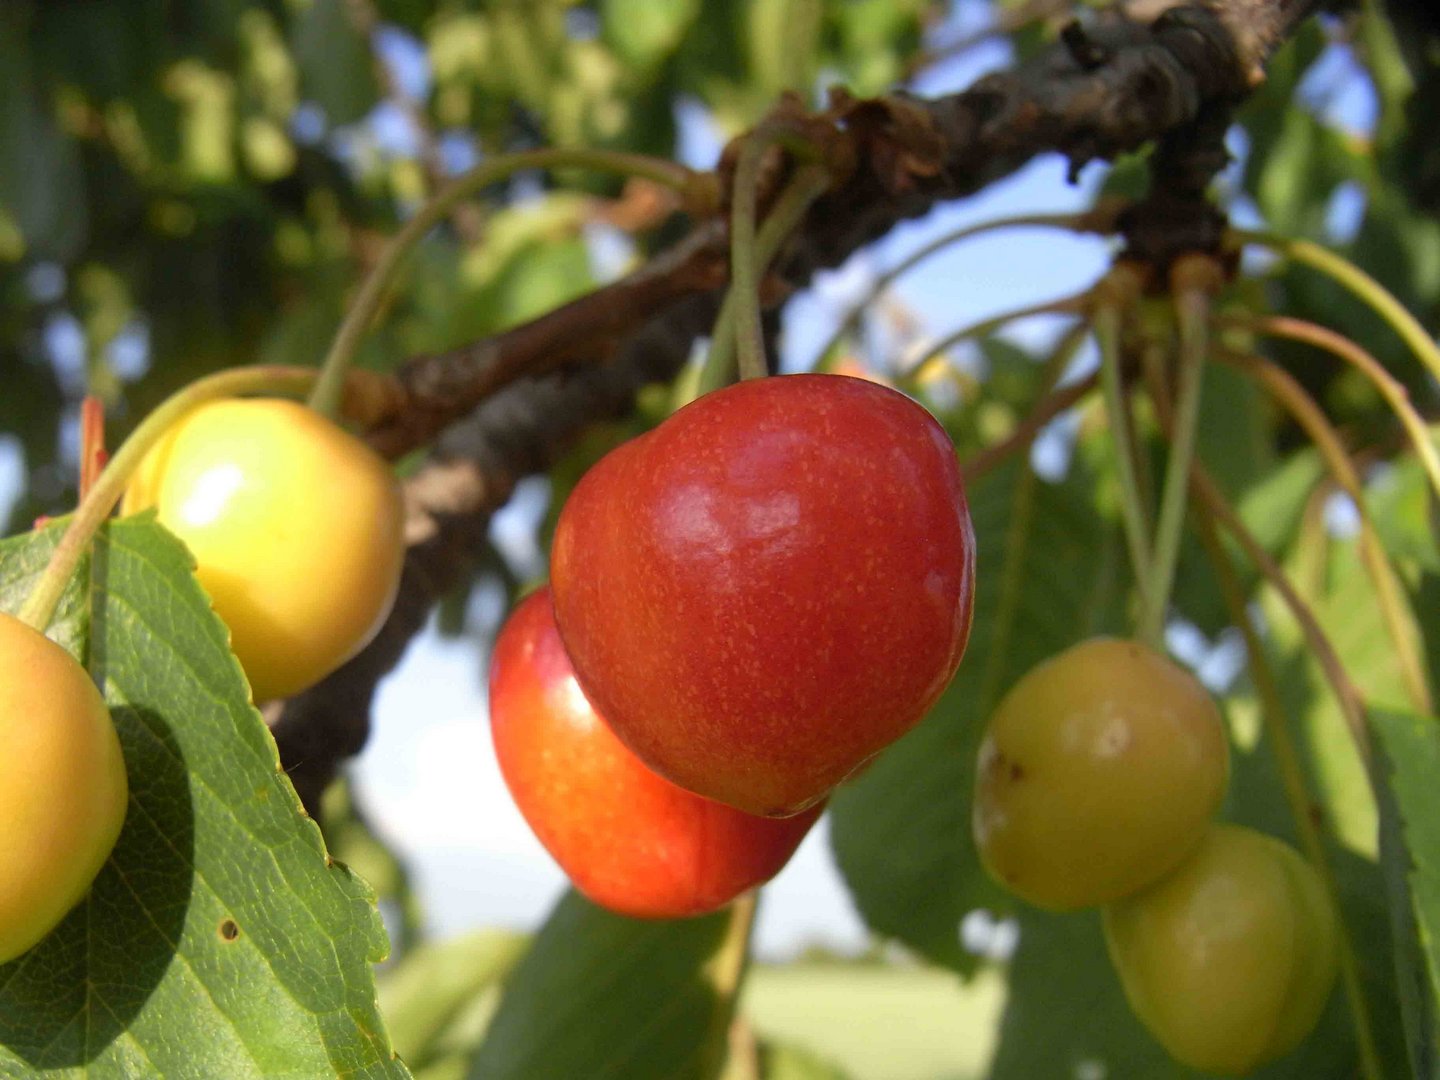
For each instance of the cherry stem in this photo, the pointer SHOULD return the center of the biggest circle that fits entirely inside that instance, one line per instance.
(1066, 305)
(95, 507)
(1050, 405)
(1106, 321)
(808, 184)
(92, 441)
(1346, 273)
(1292, 778)
(1285, 389)
(727, 971)
(1389, 387)
(325, 397)
(1192, 315)
(749, 338)
(1091, 221)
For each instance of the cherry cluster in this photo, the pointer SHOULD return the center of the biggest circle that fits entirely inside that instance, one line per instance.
(1097, 782)
(747, 604)
(297, 530)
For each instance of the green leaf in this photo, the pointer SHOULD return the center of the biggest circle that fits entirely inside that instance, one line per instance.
(219, 940)
(1407, 764)
(604, 997)
(1049, 574)
(337, 68)
(781, 1061)
(42, 187)
(644, 33)
(783, 44)
(439, 998)
(1066, 1014)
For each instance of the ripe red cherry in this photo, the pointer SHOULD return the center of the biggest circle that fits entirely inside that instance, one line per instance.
(629, 840)
(770, 587)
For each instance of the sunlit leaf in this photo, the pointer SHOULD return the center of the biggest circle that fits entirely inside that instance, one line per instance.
(219, 939)
(610, 998)
(1407, 766)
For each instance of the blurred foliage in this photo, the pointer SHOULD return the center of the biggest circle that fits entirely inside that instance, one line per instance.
(190, 185)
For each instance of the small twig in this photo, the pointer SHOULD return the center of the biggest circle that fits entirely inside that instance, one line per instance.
(808, 184)
(1196, 281)
(1045, 410)
(1388, 591)
(1352, 706)
(1338, 345)
(1100, 219)
(1106, 320)
(1365, 287)
(1074, 304)
(726, 973)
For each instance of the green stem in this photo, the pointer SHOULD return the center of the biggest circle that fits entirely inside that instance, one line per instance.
(1132, 510)
(727, 971)
(1347, 696)
(808, 184)
(1292, 779)
(1389, 387)
(1192, 311)
(1342, 270)
(40, 605)
(744, 284)
(1075, 222)
(1389, 593)
(1049, 404)
(325, 397)
(1066, 305)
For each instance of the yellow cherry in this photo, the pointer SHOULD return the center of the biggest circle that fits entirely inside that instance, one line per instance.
(297, 529)
(1098, 772)
(1229, 960)
(63, 788)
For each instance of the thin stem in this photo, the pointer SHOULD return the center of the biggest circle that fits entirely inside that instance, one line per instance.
(1389, 387)
(1346, 695)
(727, 971)
(807, 185)
(1106, 321)
(92, 441)
(1091, 221)
(325, 397)
(1342, 270)
(1066, 305)
(1046, 409)
(1292, 778)
(1388, 592)
(40, 605)
(744, 283)
(1192, 308)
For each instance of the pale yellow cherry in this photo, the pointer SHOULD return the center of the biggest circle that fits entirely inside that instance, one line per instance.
(296, 526)
(1098, 772)
(63, 788)
(1229, 960)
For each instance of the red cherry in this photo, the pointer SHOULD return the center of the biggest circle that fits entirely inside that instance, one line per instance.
(629, 840)
(770, 587)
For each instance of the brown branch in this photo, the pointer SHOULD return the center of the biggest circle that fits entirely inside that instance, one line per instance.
(901, 156)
